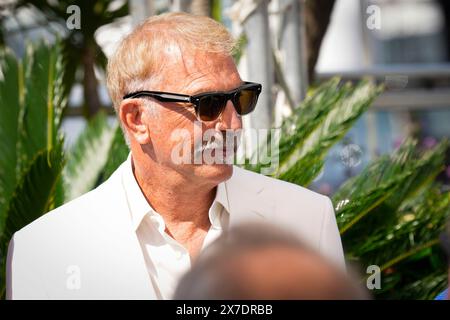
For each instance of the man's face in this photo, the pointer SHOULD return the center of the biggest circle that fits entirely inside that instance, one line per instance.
(176, 135)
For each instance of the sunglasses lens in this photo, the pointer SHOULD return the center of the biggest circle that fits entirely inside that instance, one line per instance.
(245, 101)
(210, 107)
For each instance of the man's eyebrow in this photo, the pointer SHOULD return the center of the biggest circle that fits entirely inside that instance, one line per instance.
(210, 89)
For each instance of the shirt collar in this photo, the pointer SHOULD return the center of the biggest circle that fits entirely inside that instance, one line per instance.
(139, 206)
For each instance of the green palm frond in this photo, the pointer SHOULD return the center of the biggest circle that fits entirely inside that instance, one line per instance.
(30, 107)
(43, 101)
(426, 288)
(388, 180)
(408, 244)
(334, 110)
(98, 152)
(88, 156)
(391, 213)
(417, 224)
(304, 119)
(32, 99)
(34, 194)
(11, 84)
(118, 153)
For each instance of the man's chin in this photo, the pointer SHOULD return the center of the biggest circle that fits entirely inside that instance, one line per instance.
(218, 172)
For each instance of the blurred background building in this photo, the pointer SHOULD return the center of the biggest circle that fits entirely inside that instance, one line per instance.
(409, 52)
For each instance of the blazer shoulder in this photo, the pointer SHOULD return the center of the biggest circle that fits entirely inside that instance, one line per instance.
(282, 189)
(57, 219)
(75, 213)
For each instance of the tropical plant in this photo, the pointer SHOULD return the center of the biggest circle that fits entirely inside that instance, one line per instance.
(389, 215)
(35, 176)
(97, 153)
(79, 44)
(87, 157)
(31, 147)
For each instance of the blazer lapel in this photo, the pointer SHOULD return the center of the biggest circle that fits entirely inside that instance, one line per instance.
(247, 201)
(130, 271)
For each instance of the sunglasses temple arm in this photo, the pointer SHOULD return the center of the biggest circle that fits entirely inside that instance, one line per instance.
(173, 98)
(163, 97)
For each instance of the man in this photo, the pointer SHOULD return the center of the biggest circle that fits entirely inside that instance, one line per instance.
(261, 262)
(136, 234)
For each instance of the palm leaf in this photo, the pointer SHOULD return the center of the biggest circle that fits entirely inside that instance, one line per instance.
(31, 103)
(43, 101)
(11, 84)
(30, 109)
(88, 157)
(118, 153)
(426, 288)
(307, 117)
(411, 243)
(312, 146)
(389, 180)
(34, 193)
(374, 209)
(32, 198)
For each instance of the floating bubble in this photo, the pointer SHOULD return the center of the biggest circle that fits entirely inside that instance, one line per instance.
(351, 155)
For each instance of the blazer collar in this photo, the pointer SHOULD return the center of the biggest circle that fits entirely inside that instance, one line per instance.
(242, 197)
(247, 199)
(138, 204)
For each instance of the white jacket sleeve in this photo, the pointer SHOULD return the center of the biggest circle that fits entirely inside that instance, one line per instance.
(22, 278)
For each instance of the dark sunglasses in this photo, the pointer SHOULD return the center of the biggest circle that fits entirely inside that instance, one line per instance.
(210, 105)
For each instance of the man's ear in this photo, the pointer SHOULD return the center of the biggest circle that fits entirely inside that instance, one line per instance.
(131, 113)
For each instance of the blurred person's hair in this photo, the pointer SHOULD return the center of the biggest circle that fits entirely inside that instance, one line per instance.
(261, 261)
(140, 58)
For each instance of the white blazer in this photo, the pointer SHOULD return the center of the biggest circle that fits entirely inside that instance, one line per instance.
(87, 248)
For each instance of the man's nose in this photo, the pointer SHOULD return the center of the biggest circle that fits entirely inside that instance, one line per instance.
(229, 119)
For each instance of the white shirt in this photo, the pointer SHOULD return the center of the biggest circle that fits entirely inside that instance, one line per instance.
(165, 258)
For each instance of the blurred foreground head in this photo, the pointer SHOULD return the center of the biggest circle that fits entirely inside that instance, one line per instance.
(259, 261)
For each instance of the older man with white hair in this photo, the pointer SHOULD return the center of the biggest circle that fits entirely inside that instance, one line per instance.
(137, 233)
